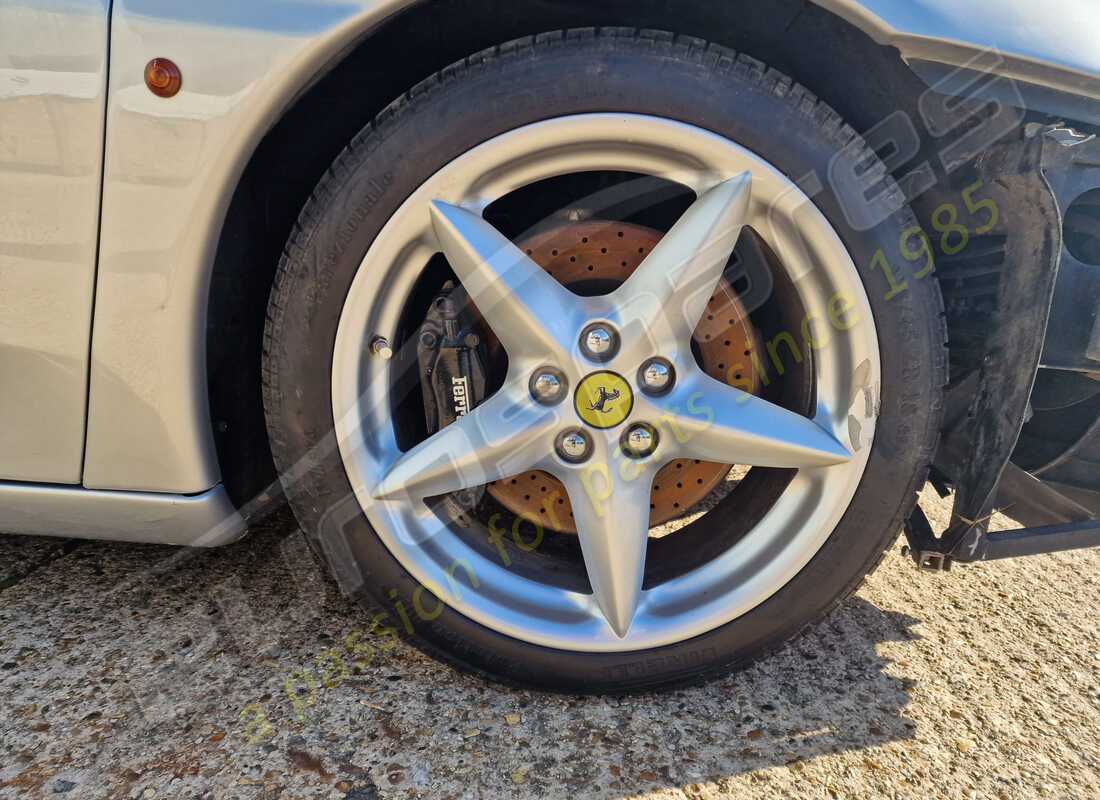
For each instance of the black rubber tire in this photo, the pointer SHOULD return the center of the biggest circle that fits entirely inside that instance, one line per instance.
(536, 78)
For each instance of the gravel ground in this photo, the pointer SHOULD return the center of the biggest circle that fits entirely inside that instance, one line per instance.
(134, 672)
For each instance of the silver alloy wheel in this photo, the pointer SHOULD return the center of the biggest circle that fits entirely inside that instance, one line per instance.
(655, 311)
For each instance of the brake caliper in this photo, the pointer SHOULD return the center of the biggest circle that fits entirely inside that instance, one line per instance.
(450, 354)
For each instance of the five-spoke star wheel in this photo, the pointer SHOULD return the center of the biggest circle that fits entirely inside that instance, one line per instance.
(602, 401)
(599, 390)
(548, 330)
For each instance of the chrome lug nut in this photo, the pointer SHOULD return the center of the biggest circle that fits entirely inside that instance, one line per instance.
(656, 376)
(380, 347)
(574, 445)
(548, 386)
(599, 342)
(639, 440)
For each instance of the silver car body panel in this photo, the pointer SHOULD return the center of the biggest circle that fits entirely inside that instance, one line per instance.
(171, 167)
(204, 520)
(1050, 44)
(53, 84)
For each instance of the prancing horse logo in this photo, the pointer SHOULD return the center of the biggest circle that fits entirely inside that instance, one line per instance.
(602, 401)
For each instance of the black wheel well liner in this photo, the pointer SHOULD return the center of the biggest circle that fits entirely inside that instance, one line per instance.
(865, 82)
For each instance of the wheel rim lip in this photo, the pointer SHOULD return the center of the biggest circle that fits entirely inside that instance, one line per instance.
(721, 590)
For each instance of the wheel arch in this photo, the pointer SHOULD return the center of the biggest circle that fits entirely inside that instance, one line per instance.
(292, 155)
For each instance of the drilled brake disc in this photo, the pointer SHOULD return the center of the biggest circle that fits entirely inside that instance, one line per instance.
(608, 252)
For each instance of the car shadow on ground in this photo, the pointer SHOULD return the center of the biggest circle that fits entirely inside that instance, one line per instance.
(242, 672)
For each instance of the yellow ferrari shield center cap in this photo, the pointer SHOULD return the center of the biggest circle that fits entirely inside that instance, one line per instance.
(603, 399)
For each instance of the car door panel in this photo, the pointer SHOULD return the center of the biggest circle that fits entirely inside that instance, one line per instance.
(53, 73)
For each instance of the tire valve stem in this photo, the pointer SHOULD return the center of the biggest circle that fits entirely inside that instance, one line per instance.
(380, 346)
